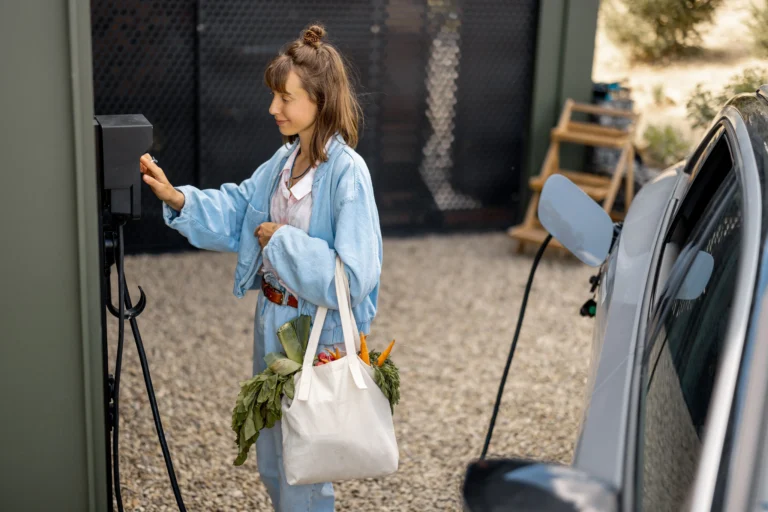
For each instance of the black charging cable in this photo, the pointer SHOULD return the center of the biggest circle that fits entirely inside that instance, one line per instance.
(125, 301)
(536, 260)
(118, 366)
(617, 228)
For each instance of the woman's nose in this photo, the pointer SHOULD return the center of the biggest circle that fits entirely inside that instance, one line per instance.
(273, 107)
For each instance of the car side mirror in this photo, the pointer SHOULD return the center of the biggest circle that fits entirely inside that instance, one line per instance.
(697, 278)
(526, 486)
(575, 220)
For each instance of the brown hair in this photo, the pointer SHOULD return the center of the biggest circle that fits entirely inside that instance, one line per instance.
(324, 76)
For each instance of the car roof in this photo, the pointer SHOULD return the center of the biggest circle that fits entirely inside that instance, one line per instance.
(754, 110)
(748, 434)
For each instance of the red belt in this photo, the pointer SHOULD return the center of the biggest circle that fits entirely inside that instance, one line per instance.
(274, 295)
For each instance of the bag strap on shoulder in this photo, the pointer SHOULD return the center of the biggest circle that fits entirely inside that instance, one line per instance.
(348, 327)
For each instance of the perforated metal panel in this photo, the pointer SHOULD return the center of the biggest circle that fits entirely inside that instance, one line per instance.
(445, 51)
(237, 40)
(144, 63)
(445, 86)
(470, 125)
(494, 98)
(402, 195)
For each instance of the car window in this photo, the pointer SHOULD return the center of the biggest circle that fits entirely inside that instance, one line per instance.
(687, 337)
(717, 164)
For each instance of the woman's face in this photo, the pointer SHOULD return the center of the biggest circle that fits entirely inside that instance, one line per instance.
(293, 110)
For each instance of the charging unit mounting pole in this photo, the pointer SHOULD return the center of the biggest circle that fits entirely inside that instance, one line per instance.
(120, 142)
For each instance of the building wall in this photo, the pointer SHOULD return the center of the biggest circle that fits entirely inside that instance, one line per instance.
(52, 426)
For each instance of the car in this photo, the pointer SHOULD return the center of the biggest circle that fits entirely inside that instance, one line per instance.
(675, 409)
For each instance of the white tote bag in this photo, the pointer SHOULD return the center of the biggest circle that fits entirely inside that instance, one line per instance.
(339, 425)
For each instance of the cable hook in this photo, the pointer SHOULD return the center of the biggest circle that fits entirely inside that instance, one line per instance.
(129, 312)
(132, 312)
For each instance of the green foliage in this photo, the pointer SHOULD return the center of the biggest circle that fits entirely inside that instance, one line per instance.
(259, 402)
(704, 104)
(387, 377)
(288, 334)
(757, 26)
(258, 406)
(701, 107)
(658, 29)
(666, 145)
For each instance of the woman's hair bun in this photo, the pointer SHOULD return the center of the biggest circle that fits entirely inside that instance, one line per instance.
(313, 35)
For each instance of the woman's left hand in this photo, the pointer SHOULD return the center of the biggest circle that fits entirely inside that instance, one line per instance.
(265, 232)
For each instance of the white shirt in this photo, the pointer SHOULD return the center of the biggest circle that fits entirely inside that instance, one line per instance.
(291, 206)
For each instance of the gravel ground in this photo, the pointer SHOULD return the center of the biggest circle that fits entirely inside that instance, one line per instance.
(450, 301)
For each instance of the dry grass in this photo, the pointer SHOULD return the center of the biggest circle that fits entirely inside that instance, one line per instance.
(727, 50)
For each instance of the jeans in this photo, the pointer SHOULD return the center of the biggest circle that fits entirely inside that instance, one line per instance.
(269, 445)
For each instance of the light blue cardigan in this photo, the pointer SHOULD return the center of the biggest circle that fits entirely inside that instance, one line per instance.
(344, 220)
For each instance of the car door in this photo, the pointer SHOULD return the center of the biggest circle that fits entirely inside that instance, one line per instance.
(698, 289)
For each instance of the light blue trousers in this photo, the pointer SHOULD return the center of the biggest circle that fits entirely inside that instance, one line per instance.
(269, 446)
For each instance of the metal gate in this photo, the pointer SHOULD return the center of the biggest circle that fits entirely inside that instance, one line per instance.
(445, 86)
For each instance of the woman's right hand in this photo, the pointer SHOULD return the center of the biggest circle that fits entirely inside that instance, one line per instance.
(162, 188)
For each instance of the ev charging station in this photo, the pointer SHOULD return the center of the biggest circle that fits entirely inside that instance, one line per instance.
(71, 182)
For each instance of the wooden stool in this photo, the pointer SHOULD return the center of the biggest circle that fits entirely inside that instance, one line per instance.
(602, 189)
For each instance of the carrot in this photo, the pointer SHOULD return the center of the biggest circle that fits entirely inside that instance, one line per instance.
(364, 350)
(384, 355)
(338, 354)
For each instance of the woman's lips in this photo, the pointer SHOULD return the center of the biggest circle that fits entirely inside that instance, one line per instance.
(280, 123)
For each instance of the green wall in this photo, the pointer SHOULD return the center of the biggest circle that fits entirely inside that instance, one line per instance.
(564, 52)
(50, 368)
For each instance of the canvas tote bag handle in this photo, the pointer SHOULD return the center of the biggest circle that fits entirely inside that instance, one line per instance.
(348, 327)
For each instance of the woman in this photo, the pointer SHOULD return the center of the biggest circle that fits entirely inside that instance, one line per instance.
(287, 222)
